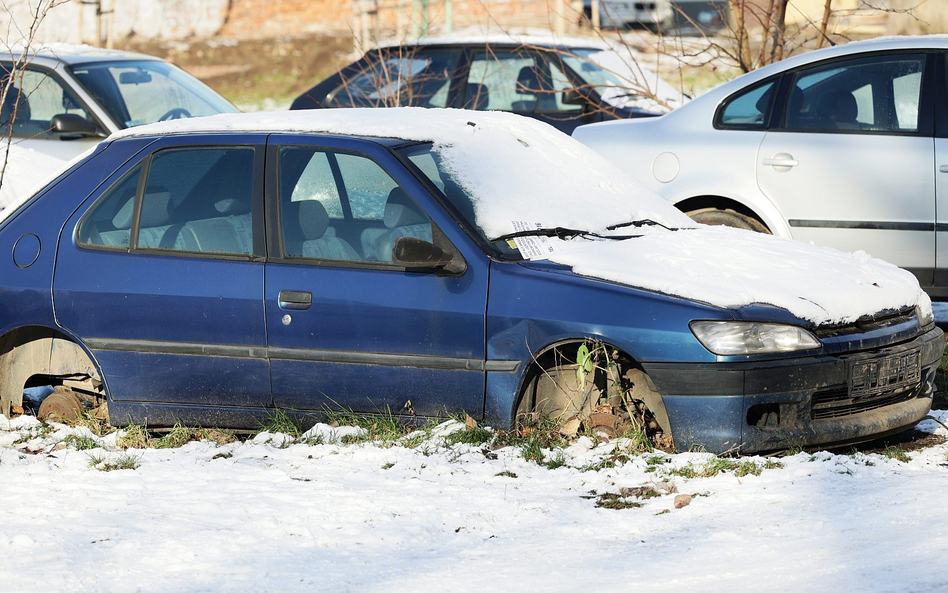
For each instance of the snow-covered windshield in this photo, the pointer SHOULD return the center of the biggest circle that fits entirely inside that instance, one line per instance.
(138, 92)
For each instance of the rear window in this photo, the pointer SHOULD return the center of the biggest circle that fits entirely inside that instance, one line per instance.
(750, 109)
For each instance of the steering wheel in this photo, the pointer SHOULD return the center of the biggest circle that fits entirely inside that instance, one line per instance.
(176, 113)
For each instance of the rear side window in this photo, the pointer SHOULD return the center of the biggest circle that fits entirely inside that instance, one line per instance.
(750, 109)
(199, 200)
(108, 224)
(399, 78)
(873, 94)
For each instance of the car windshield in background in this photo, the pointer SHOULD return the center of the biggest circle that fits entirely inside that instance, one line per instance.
(142, 92)
(459, 201)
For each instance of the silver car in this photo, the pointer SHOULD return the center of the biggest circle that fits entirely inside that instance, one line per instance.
(70, 97)
(845, 147)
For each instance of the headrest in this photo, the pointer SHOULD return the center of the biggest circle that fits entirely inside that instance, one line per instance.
(231, 206)
(401, 211)
(156, 209)
(476, 96)
(528, 81)
(123, 218)
(795, 104)
(314, 220)
(839, 106)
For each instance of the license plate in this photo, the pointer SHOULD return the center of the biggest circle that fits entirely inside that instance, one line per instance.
(882, 375)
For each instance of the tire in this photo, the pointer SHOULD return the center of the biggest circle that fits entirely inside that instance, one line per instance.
(728, 217)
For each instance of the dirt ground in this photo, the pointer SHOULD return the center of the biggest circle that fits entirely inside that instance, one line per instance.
(256, 74)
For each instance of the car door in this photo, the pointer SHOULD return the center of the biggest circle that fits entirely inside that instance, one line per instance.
(524, 82)
(348, 329)
(940, 97)
(160, 274)
(850, 163)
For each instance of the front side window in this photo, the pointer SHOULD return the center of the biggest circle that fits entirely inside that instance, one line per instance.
(34, 98)
(338, 206)
(513, 81)
(138, 92)
(878, 94)
(199, 200)
(750, 109)
(399, 78)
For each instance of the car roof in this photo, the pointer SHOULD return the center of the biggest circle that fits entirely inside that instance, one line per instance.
(52, 54)
(474, 38)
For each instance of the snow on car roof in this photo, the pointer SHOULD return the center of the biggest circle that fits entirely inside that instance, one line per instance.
(519, 169)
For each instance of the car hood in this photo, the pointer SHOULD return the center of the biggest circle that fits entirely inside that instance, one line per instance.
(733, 269)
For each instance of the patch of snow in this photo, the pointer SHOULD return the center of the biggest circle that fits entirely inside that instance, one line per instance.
(255, 517)
(731, 268)
(27, 172)
(325, 433)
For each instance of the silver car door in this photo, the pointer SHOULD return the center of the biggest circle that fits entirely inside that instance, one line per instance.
(850, 162)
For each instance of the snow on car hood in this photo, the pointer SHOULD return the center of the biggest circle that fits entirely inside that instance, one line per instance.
(733, 268)
(519, 169)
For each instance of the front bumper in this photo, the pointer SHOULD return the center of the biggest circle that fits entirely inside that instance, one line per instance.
(750, 407)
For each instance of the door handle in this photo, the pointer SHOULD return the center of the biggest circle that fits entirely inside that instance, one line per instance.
(780, 160)
(943, 168)
(295, 300)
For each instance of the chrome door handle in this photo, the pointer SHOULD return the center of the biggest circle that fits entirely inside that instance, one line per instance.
(943, 168)
(780, 162)
(295, 300)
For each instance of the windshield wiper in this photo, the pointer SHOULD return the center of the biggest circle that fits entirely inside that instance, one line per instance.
(560, 233)
(640, 223)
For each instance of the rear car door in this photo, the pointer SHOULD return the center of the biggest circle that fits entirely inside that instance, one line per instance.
(348, 329)
(160, 273)
(850, 164)
(941, 177)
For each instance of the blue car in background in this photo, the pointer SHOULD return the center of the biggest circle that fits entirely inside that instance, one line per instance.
(212, 271)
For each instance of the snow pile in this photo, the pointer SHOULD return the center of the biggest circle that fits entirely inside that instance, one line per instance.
(731, 268)
(26, 167)
(252, 517)
(518, 169)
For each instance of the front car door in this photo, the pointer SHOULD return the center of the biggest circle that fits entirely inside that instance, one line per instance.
(160, 273)
(850, 161)
(524, 82)
(348, 329)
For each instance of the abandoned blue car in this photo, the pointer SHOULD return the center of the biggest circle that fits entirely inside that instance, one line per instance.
(429, 263)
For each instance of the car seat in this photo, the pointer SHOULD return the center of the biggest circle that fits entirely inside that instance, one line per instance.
(402, 219)
(536, 84)
(839, 108)
(306, 233)
(476, 97)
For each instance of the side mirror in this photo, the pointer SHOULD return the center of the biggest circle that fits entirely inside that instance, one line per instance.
(574, 97)
(72, 124)
(411, 252)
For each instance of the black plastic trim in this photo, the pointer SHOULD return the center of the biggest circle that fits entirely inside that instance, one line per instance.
(867, 225)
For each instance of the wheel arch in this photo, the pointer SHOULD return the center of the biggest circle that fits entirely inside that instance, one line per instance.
(33, 350)
(546, 355)
(765, 213)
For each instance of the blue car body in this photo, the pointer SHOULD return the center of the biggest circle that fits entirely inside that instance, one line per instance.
(210, 340)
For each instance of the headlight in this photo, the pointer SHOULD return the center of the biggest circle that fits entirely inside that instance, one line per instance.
(925, 315)
(735, 338)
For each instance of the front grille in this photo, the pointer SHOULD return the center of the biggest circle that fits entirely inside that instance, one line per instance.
(836, 403)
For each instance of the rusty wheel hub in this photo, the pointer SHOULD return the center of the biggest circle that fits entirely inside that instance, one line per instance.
(60, 406)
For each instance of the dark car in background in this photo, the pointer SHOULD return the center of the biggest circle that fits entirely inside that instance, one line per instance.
(563, 83)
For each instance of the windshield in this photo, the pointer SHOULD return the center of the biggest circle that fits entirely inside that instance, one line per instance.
(619, 80)
(430, 164)
(138, 92)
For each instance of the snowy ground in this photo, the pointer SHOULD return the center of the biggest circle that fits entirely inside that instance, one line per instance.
(258, 516)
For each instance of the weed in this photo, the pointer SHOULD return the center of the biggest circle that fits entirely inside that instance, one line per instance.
(616, 501)
(134, 436)
(124, 461)
(558, 460)
(388, 465)
(506, 474)
(280, 422)
(100, 427)
(215, 435)
(474, 436)
(177, 437)
(226, 455)
(81, 443)
(896, 453)
(656, 460)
